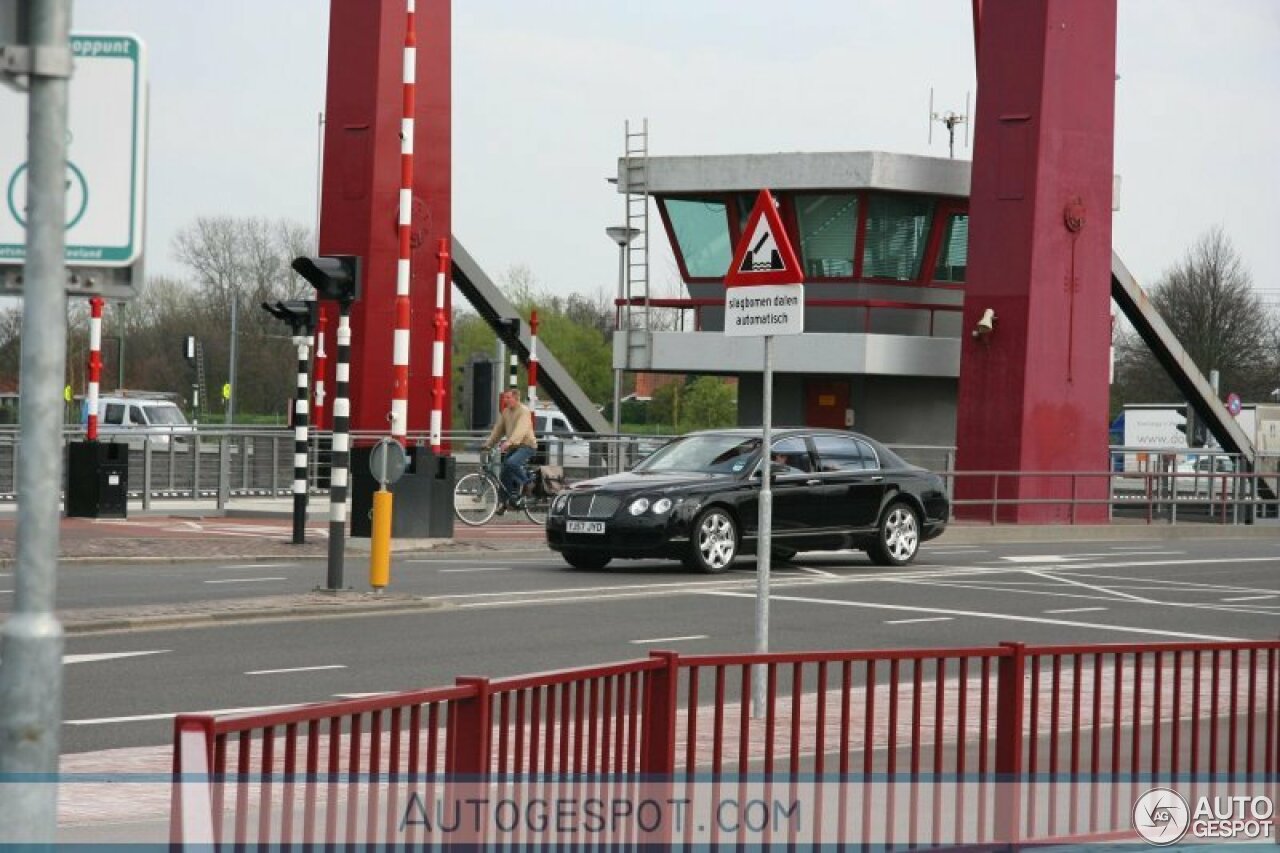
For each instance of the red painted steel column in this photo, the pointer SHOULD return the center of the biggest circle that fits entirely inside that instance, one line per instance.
(95, 366)
(360, 195)
(1034, 392)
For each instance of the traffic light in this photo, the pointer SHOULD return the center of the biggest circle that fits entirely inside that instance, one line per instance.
(509, 330)
(1192, 426)
(300, 314)
(333, 276)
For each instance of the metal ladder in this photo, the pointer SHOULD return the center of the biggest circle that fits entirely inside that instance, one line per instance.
(636, 282)
(202, 390)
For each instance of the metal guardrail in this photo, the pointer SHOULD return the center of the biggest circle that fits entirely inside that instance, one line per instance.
(1157, 485)
(992, 744)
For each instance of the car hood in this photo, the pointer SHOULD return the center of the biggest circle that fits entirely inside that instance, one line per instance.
(657, 481)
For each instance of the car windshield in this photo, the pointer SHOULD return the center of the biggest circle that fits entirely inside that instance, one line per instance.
(168, 415)
(707, 454)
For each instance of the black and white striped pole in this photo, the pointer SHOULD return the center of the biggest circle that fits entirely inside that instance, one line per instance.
(300, 315)
(337, 277)
(341, 457)
(301, 439)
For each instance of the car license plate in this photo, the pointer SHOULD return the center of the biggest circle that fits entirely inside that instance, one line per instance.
(585, 527)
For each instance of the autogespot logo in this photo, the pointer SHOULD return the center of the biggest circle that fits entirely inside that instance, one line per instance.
(1161, 816)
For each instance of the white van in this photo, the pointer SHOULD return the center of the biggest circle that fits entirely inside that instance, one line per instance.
(136, 419)
(563, 445)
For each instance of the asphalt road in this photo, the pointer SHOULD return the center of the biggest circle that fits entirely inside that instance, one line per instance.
(524, 612)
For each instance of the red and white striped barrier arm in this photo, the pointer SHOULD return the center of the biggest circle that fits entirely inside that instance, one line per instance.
(400, 346)
(533, 359)
(95, 365)
(321, 365)
(437, 348)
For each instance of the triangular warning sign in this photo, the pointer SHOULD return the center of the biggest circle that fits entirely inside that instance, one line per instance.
(764, 254)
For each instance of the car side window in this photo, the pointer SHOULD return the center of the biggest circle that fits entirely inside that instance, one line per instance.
(870, 459)
(838, 453)
(791, 453)
(136, 416)
(114, 414)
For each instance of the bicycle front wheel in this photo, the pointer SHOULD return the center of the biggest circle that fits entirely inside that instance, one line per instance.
(475, 499)
(536, 508)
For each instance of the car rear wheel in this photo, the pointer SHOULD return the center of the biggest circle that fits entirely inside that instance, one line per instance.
(714, 543)
(587, 561)
(898, 540)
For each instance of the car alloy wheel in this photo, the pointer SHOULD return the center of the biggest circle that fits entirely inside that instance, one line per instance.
(899, 536)
(715, 541)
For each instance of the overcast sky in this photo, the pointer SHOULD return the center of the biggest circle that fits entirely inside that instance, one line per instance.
(542, 87)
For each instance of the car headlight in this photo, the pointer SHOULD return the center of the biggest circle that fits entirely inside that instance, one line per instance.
(638, 506)
(559, 503)
(661, 505)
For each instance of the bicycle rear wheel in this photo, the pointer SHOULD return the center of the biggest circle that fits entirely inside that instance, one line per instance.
(475, 499)
(536, 508)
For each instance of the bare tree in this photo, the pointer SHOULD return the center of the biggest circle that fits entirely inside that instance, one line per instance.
(1208, 300)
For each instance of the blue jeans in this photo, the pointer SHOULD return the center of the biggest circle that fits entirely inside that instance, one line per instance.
(512, 473)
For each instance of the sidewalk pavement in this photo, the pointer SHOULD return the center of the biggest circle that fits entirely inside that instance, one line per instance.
(261, 530)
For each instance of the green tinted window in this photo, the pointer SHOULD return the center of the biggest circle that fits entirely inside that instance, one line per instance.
(953, 254)
(897, 230)
(827, 226)
(702, 230)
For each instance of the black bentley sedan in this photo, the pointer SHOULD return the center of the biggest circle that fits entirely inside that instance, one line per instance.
(696, 499)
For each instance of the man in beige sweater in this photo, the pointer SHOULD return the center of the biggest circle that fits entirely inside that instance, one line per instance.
(514, 433)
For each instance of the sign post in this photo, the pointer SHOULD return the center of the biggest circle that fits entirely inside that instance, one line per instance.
(763, 297)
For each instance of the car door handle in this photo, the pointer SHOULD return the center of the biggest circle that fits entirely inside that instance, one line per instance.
(814, 482)
(877, 478)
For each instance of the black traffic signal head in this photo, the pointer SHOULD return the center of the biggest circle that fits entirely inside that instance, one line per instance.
(300, 314)
(1192, 426)
(510, 330)
(333, 276)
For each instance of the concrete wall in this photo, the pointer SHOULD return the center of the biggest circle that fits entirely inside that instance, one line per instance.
(893, 409)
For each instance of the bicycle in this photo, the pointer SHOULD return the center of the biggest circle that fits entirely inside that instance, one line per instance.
(476, 495)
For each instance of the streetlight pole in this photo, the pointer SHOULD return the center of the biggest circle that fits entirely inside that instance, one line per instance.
(622, 235)
(231, 369)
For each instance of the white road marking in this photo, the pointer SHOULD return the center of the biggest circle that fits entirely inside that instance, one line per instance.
(981, 614)
(1041, 558)
(1101, 589)
(667, 640)
(261, 566)
(2, 591)
(913, 621)
(169, 715)
(819, 572)
(1250, 598)
(295, 669)
(477, 569)
(362, 695)
(66, 659)
(1128, 553)
(949, 552)
(246, 580)
(1078, 610)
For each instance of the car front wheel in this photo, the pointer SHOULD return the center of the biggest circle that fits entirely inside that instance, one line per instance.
(898, 539)
(714, 543)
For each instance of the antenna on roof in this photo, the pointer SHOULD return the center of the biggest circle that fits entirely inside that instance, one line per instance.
(950, 120)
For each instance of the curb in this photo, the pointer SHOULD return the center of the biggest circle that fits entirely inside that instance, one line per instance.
(278, 614)
(975, 534)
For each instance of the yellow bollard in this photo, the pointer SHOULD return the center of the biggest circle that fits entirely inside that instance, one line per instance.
(380, 541)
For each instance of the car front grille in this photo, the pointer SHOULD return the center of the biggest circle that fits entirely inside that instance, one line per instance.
(593, 506)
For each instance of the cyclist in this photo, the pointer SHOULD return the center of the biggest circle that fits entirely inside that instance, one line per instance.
(513, 433)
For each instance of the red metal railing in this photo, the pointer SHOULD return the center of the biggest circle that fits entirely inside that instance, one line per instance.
(990, 744)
